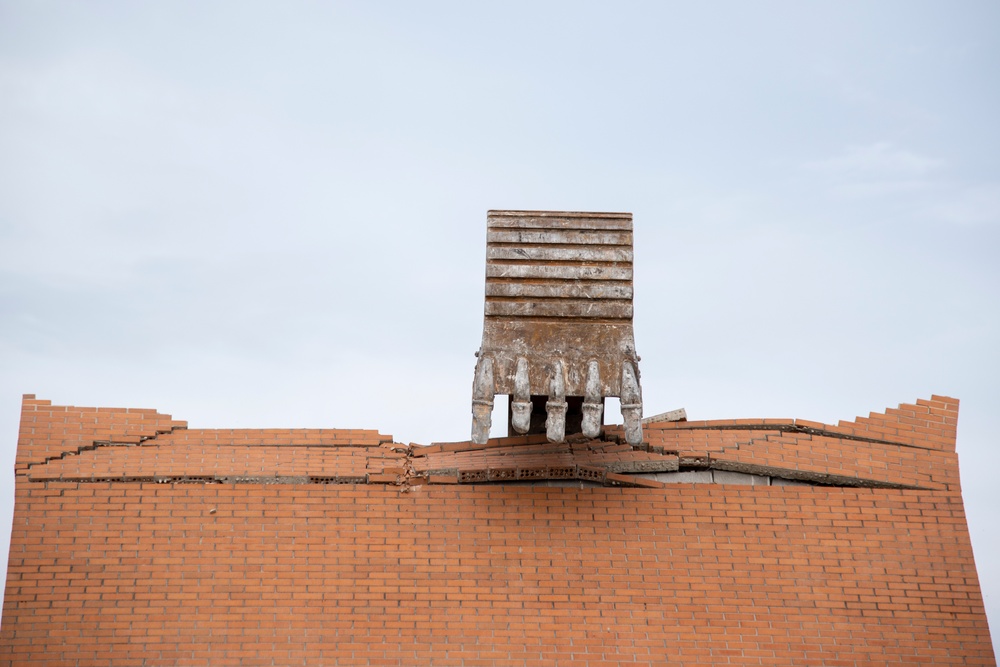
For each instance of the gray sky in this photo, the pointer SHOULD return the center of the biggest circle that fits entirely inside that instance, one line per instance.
(249, 214)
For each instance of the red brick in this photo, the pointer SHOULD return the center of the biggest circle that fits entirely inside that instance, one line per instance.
(124, 573)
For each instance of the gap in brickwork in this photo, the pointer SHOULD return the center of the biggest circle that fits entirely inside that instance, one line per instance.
(561, 477)
(792, 428)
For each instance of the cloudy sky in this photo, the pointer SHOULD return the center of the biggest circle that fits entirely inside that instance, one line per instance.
(273, 214)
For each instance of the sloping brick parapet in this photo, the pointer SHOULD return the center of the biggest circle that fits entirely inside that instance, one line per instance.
(337, 546)
(53, 431)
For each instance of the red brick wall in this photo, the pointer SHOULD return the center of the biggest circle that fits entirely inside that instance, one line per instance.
(51, 431)
(145, 573)
(148, 574)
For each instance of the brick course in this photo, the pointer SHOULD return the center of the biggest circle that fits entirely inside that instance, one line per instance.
(173, 547)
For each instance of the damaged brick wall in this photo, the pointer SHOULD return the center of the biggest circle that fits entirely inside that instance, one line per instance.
(137, 541)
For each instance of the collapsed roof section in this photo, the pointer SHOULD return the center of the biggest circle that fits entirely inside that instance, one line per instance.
(557, 330)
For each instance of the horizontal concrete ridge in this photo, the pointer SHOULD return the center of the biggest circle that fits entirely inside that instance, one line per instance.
(559, 289)
(559, 271)
(499, 213)
(520, 252)
(560, 237)
(606, 309)
(559, 220)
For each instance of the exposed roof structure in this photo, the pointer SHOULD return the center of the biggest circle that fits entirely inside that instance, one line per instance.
(140, 541)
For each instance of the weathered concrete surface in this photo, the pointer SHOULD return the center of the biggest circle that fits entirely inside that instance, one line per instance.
(558, 323)
(678, 415)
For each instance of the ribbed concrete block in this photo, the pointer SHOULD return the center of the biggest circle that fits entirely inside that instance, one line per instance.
(781, 481)
(686, 477)
(559, 271)
(726, 477)
(619, 310)
(559, 290)
(560, 253)
(570, 236)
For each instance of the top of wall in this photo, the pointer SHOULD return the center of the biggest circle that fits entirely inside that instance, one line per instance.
(912, 446)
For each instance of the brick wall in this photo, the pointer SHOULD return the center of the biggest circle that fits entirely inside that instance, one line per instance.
(298, 572)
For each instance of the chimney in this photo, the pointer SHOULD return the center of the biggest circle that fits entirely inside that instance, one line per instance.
(557, 331)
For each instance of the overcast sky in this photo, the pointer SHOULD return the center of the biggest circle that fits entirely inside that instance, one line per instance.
(249, 215)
